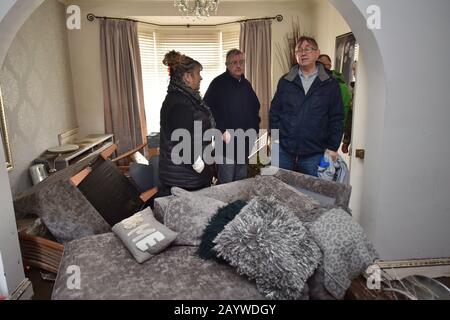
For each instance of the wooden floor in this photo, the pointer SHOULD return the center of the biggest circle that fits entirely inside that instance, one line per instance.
(42, 288)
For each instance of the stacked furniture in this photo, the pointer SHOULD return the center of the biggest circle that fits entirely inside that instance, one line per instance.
(178, 272)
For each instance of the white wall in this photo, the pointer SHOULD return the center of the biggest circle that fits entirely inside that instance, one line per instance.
(405, 200)
(85, 47)
(327, 24)
(414, 205)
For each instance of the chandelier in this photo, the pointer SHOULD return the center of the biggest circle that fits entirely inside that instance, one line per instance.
(197, 8)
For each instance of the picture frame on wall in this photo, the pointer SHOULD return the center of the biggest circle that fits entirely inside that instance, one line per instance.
(4, 135)
(345, 55)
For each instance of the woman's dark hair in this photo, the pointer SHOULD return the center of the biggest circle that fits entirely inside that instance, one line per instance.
(324, 56)
(179, 64)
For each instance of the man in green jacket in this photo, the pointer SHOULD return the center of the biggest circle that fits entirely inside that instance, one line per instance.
(345, 92)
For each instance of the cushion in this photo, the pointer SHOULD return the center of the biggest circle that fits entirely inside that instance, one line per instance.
(268, 243)
(109, 272)
(188, 214)
(143, 176)
(223, 216)
(139, 158)
(346, 250)
(299, 203)
(110, 192)
(143, 236)
(66, 213)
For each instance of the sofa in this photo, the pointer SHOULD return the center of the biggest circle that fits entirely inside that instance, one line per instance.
(107, 270)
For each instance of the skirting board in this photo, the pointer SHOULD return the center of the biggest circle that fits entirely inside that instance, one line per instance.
(432, 268)
(23, 292)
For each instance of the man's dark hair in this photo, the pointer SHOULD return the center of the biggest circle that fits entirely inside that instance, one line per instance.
(310, 40)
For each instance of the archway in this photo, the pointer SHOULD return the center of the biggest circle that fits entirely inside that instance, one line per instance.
(13, 14)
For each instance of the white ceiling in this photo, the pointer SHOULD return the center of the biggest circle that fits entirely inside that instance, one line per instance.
(178, 20)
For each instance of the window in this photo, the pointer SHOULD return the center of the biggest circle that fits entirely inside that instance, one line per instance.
(208, 46)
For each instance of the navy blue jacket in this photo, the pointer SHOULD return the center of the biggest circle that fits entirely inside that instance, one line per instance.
(233, 104)
(308, 124)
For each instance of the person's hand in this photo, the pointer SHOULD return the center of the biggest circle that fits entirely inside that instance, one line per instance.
(226, 137)
(333, 155)
(344, 148)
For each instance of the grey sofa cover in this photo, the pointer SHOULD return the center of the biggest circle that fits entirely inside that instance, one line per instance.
(108, 271)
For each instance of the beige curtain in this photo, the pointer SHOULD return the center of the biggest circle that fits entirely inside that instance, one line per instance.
(122, 83)
(255, 42)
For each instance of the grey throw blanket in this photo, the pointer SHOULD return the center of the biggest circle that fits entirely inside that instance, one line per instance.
(346, 250)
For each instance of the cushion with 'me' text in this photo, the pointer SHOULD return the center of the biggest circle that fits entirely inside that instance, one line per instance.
(143, 235)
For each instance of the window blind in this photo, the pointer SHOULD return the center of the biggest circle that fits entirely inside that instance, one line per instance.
(208, 46)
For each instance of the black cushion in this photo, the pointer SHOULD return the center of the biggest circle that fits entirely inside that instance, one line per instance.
(217, 223)
(110, 192)
(142, 176)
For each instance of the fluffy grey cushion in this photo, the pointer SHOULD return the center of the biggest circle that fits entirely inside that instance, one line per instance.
(346, 250)
(300, 204)
(268, 243)
(188, 214)
(143, 235)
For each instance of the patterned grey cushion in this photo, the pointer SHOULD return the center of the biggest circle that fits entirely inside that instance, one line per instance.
(188, 214)
(66, 213)
(301, 204)
(338, 193)
(143, 236)
(346, 250)
(268, 243)
(108, 271)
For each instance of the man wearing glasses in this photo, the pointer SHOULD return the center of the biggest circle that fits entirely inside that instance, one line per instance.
(234, 105)
(307, 110)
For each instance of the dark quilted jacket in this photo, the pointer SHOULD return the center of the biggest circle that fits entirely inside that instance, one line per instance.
(308, 124)
(179, 110)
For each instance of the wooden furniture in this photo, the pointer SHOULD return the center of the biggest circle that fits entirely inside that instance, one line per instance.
(37, 251)
(40, 252)
(80, 176)
(143, 149)
(89, 145)
(150, 154)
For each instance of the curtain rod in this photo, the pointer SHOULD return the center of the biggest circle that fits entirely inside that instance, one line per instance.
(91, 17)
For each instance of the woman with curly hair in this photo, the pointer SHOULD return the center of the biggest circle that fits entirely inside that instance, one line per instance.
(181, 108)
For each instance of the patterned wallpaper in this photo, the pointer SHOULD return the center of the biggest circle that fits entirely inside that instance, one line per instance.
(37, 89)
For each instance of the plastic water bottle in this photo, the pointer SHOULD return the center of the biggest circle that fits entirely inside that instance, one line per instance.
(323, 163)
(324, 170)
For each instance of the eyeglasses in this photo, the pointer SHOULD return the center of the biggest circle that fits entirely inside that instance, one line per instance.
(307, 50)
(236, 63)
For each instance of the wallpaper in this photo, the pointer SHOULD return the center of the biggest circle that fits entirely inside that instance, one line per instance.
(36, 81)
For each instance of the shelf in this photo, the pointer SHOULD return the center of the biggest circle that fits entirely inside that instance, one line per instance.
(89, 145)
